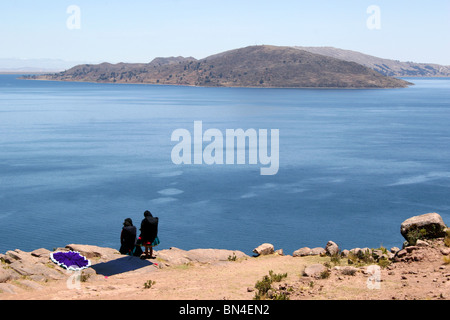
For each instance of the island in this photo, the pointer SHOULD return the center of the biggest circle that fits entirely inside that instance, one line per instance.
(262, 66)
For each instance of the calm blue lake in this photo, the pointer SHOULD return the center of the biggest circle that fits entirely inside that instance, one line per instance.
(76, 159)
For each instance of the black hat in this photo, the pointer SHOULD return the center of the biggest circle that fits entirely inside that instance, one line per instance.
(147, 214)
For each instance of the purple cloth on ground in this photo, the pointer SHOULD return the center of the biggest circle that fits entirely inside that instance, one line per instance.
(70, 259)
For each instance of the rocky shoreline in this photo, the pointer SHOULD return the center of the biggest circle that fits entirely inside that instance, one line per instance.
(426, 247)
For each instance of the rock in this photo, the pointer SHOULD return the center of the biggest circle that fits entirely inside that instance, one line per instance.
(331, 248)
(7, 288)
(426, 226)
(364, 251)
(264, 249)
(16, 255)
(36, 269)
(31, 284)
(39, 253)
(317, 251)
(280, 252)
(421, 243)
(345, 253)
(394, 250)
(314, 270)
(411, 248)
(377, 253)
(172, 256)
(7, 274)
(302, 252)
(176, 256)
(212, 255)
(90, 251)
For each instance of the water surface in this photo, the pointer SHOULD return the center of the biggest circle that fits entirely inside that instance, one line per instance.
(76, 159)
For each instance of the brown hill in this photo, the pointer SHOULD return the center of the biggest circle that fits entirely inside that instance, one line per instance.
(386, 67)
(254, 66)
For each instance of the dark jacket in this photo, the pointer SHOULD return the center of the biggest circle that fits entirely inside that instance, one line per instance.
(127, 239)
(149, 229)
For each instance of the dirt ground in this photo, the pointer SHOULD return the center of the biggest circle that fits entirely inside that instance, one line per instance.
(427, 278)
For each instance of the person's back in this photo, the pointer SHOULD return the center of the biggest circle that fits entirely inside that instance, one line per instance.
(127, 237)
(149, 228)
(149, 232)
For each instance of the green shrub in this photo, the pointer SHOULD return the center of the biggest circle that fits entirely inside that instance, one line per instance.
(447, 237)
(149, 284)
(383, 263)
(265, 285)
(325, 274)
(277, 277)
(232, 258)
(446, 259)
(336, 259)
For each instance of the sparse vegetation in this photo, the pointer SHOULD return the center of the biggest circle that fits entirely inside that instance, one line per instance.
(148, 284)
(325, 274)
(336, 259)
(84, 277)
(447, 238)
(232, 258)
(349, 271)
(369, 257)
(265, 290)
(414, 235)
(383, 263)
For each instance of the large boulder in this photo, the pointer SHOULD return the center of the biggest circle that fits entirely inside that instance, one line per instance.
(331, 248)
(302, 252)
(318, 251)
(314, 270)
(308, 252)
(264, 249)
(426, 226)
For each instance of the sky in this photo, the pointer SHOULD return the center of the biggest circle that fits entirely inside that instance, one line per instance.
(140, 30)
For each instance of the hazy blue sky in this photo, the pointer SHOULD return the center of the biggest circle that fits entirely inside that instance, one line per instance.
(140, 30)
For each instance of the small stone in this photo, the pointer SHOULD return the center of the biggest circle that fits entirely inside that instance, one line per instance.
(394, 249)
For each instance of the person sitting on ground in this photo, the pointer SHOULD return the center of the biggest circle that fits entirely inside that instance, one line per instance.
(149, 234)
(128, 237)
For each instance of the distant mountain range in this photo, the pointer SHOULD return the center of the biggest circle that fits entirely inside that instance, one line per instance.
(35, 65)
(387, 67)
(253, 66)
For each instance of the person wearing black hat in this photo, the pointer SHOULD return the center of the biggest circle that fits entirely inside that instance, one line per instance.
(128, 237)
(149, 234)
